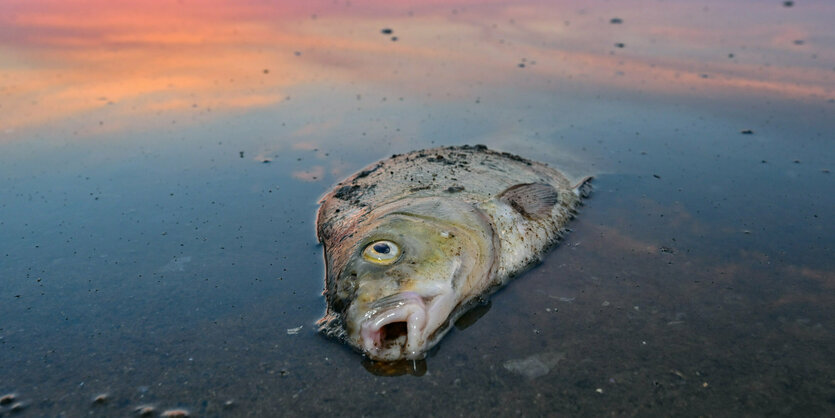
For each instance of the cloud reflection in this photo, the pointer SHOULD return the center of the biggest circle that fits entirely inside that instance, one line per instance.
(82, 61)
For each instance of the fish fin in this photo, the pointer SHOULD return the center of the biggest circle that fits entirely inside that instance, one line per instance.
(532, 200)
(583, 187)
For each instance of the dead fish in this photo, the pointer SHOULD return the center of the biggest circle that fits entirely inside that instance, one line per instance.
(413, 241)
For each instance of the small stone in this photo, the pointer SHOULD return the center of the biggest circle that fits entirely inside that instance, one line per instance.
(145, 410)
(175, 413)
(7, 398)
(101, 398)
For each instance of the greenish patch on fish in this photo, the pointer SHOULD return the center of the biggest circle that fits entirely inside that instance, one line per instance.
(414, 241)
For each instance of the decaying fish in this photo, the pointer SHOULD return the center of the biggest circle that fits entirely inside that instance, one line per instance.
(413, 241)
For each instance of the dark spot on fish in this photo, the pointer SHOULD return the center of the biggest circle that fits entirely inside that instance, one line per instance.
(516, 158)
(394, 39)
(365, 173)
(346, 192)
(455, 189)
(386, 31)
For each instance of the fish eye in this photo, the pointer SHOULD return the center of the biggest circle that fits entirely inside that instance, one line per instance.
(381, 252)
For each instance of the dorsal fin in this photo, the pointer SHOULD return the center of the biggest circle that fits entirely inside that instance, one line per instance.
(532, 200)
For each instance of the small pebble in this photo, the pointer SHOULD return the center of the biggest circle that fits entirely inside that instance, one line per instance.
(18, 406)
(145, 410)
(7, 398)
(175, 413)
(101, 398)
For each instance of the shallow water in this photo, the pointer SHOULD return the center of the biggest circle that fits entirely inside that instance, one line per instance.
(160, 165)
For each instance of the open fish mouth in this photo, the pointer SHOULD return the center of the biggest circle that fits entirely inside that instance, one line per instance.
(394, 326)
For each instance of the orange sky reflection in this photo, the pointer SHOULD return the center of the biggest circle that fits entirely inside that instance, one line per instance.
(64, 60)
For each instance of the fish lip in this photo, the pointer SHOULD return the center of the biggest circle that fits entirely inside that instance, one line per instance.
(408, 307)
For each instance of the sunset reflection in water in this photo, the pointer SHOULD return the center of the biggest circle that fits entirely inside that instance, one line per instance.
(116, 63)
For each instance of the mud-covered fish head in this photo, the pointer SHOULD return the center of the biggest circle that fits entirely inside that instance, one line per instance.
(405, 272)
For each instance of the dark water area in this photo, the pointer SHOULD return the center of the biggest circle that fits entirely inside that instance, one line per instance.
(161, 162)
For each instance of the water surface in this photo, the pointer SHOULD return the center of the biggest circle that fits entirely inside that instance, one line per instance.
(160, 165)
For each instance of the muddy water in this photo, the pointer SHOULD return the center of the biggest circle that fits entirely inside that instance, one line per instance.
(160, 165)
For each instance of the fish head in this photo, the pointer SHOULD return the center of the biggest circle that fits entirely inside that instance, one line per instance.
(406, 272)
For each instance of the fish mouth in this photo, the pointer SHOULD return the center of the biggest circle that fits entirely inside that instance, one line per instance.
(394, 326)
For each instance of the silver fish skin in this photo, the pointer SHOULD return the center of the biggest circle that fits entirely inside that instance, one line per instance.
(413, 241)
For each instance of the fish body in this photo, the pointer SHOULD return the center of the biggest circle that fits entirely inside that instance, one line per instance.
(413, 241)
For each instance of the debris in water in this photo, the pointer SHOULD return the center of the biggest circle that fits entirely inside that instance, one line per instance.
(616, 21)
(145, 410)
(620, 44)
(746, 132)
(101, 399)
(294, 331)
(241, 153)
(536, 365)
(7, 398)
(788, 3)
